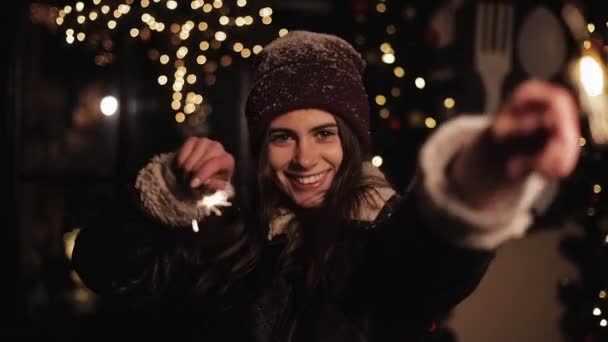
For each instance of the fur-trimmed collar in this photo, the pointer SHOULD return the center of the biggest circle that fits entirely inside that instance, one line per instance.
(367, 213)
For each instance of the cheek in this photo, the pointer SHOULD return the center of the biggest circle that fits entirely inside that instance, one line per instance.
(278, 158)
(334, 155)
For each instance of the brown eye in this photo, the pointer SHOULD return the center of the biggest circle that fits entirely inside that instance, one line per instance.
(326, 133)
(279, 137)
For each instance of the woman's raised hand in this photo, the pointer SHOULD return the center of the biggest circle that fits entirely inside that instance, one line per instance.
(206, 163)
(536, 131)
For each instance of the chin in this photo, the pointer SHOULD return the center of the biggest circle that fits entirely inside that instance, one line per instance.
(308, 203)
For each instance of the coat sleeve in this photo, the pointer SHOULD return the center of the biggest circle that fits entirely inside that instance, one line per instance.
(412, 270)
(127, 253)
(429, 251)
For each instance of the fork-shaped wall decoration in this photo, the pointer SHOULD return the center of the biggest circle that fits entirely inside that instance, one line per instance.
(493, 49)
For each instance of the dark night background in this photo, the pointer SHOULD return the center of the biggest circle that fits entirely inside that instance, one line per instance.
(64, 160)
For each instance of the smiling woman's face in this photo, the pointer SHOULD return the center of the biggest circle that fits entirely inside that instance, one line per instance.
(305, 153)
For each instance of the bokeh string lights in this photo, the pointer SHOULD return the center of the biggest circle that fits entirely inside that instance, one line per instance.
(190, 40)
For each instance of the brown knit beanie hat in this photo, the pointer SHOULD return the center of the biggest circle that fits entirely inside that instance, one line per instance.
(305, 70)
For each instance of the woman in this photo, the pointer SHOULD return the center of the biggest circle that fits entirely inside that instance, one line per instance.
(325, 250)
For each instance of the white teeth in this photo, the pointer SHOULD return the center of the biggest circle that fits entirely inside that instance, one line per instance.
(310, 179)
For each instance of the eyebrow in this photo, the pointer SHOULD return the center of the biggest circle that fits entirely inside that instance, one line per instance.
(314, 129)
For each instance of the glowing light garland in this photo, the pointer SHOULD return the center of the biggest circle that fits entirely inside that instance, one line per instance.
(197, 38)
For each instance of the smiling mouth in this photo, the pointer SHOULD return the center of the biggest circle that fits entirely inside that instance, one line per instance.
(308, 180)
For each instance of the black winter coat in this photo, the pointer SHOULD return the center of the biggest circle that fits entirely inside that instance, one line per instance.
(403, 280)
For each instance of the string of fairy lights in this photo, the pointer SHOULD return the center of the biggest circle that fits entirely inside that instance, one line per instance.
(190, 40)
(384, 52)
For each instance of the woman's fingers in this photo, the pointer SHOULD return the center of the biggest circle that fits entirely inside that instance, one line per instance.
(214, 184)
(212, 150)
(204, 149)
(185, 150)
(539, 131)
(560, 153)
(206, 161)
(219, 167)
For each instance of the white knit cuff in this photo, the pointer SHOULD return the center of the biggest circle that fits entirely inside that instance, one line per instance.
(162, 197)
(448, 215)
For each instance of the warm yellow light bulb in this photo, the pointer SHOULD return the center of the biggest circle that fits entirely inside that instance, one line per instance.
(124, 8)
(265, 12)
(380, 100)
(176, 105)
(171, 4)
(386, 48)
(182, 52)
(377, 161)
(582, 141)
(592, 75)
(220, 36)
(388, 58)
(201, 59)
(420, 83)
(449, 102)
(430, 122)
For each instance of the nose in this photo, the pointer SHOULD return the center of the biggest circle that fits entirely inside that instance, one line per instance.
(306, 155)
